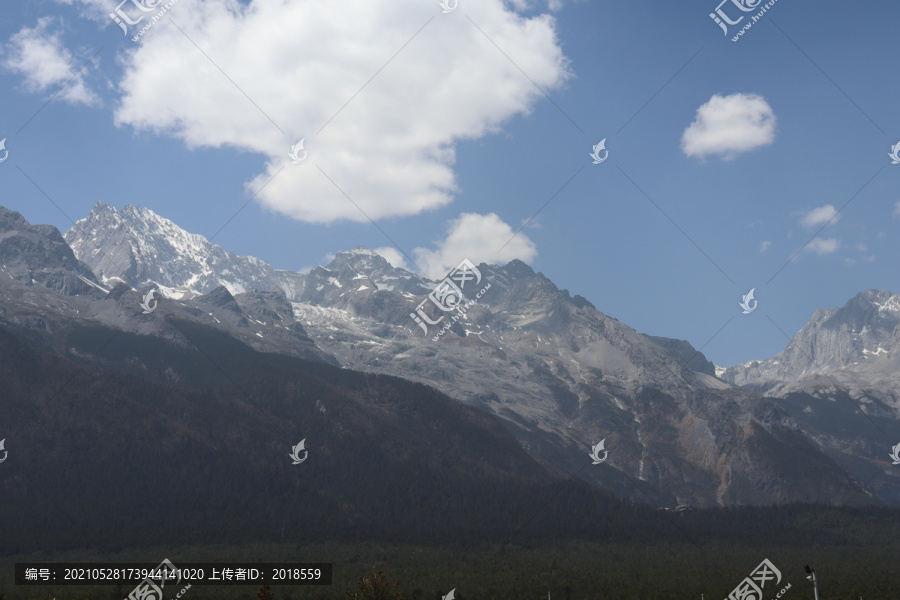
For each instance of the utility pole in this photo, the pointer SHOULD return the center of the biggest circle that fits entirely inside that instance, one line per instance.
(812, 577)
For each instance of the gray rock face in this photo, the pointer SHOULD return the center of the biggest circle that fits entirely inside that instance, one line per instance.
(38, 255)
(856, 347)
(686, 354)
(839, 379)
(560, 374)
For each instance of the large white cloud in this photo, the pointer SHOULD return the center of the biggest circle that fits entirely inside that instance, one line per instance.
(38, 54)
(730, 125)
(480, 238)
(391, 149)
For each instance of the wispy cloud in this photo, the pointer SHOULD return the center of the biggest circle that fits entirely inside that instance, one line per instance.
(823, 246)
(37, 53)
(820, 216)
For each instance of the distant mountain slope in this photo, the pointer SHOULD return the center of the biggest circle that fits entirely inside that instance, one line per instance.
(102, 458)
(561, 375)
(686, 354)
(839, 380)
(38, 255)
(856, 346)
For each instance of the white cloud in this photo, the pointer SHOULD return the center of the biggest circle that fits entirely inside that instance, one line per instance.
(478, 238)
(391, 148)
(823, 246)
(897, 209)
(730, 125)
(393, 256)
(765, 246)
(38, 54)
(820, 216)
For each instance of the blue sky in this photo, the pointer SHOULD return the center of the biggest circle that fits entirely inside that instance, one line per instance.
(725, 158)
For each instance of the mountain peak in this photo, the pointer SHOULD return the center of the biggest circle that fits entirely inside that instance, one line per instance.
(38, 255)
(360, 255)
(862, 336)
(11, 219)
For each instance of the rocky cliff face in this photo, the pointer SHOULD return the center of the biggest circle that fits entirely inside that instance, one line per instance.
(856, 347)
(839, 379)
(38, 255)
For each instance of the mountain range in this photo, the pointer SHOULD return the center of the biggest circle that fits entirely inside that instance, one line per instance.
(559, 373)
(813, 424)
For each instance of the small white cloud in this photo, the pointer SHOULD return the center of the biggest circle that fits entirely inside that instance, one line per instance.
(861, 247)
(765, 246)
(897, 209)
(819, 216)
(393, 256)
(38, 54)
(823, 246)
(478, 238)
(730, 125)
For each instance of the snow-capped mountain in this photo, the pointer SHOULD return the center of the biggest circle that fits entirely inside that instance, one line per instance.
(559, 373)
(856, 347)
(137, 247)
